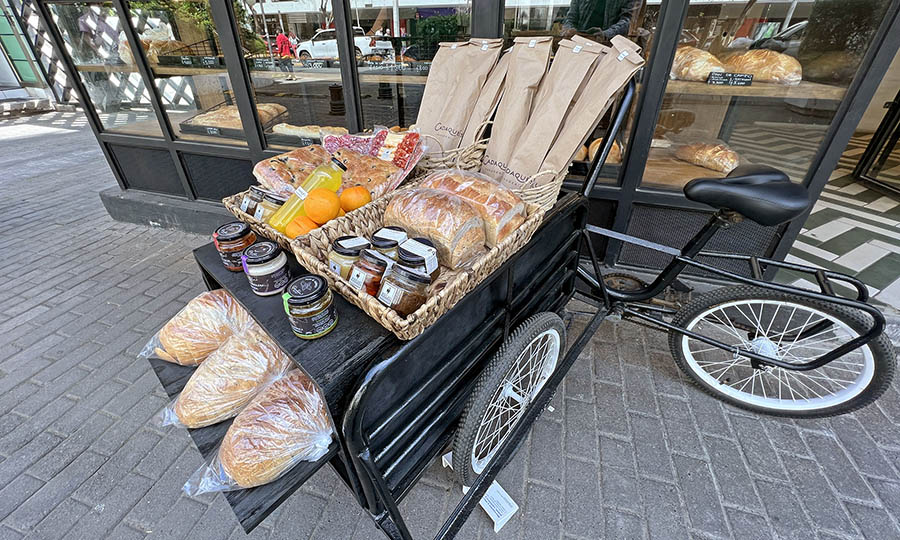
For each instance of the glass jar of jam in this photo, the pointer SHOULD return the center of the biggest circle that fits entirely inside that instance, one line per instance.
(344, 252)
(231, 240)
(420, 255)
(403, 290)
(367, 271)
(310, 307)
(269, 204)
(266, 268)
(253, 197)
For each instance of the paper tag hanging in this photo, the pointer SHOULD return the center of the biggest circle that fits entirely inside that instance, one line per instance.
(500, 507)
(426, 252)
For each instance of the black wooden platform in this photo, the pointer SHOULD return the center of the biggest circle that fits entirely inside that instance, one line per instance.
(334, 362)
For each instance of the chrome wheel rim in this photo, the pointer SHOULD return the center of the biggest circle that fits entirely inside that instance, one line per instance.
(787, 330)
(521, 384)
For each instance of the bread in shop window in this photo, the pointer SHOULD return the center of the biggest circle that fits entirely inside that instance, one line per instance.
(615, 153)
(205, 323)
(693, 64)
(307, 132)
(766, 66)
(452, 224)
(581, 154)
(374, 174)
(229, 378)
(282, 173)
(227, 116)
(285, 423)
(713, 156)
(501, 210)
(831, 67)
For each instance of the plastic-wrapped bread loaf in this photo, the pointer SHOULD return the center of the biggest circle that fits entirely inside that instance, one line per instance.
(201, 326)
(455, 228)
(229, 378)
(501, 210)
(693, 64)
(284, 424)
(717, 157)
(283, 172)
(766, 66)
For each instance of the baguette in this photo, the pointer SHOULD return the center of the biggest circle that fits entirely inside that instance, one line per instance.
(716, 157)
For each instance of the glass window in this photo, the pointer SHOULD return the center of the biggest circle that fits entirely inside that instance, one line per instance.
(395, 48)
(802, 57)
(299, 71)
(182, 47)
(93, 36)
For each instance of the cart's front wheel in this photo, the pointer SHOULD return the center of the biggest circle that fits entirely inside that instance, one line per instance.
(505, 390)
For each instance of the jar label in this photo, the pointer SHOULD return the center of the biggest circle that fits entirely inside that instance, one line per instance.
(231, 259)
(335, 267)
(245, 203)
(357, 278)
(270, 283)
(352, 243)
(426, 252)
(301, 193)
(259, 212)
(316, 325)
(391, 234)
(388, 293)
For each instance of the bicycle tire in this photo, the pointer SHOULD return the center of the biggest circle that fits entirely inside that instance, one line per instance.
(882, 349)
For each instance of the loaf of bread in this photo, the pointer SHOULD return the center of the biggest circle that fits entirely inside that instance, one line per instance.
(228, 117)
(376, 175)
(282, 173)
(285, 423)
(455, 228)
(615, 153)
(693, 64)
(831, 67)
(229, 378)
(307, 132)
(201, 326)
(766, 66)
(501, 210)
(717, 157)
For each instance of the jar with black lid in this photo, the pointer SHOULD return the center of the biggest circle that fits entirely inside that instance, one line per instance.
(367, 272)
(266, 267)
(268, 206)
(310, 308)
(404, 289)
(253, 197)
(231, 240)
(416, 260)
(344, 252)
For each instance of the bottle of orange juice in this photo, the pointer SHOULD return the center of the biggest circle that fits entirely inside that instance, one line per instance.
(327, 176)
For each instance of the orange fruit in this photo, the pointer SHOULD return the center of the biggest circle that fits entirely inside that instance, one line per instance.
(341, 213)
(321, 205)
(298, 226)
(354, 197)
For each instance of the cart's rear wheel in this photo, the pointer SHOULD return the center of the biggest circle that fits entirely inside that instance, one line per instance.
(505, 390)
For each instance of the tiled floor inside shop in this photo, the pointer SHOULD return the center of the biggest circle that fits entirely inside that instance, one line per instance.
(630, 449)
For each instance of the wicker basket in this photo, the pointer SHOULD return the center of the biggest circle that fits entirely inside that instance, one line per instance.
(313, 255)
(467, 158)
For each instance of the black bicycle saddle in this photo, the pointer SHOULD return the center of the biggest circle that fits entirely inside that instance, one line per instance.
(758, 192)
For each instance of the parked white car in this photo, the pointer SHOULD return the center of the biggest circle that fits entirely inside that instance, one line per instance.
(324, 44)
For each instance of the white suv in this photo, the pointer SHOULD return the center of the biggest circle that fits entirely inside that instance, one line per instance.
(324, 44)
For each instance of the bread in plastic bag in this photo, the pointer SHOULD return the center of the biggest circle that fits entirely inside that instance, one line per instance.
(452, 224)
(715, 156)
(766, 66)
(228, 379)
(284, 424)
(201, 326)
(501, 210)
(282, 173)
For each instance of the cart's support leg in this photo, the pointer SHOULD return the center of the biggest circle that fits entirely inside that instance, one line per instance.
(389, 520)
(476, 492)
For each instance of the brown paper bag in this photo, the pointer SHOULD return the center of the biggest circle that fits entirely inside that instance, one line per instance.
(459, 93)
(612, 72)
(443, 71)
(487, 102)
(570, 66)
(527, 66)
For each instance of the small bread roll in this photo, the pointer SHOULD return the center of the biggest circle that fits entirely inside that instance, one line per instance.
(581, 154)
(615, 153)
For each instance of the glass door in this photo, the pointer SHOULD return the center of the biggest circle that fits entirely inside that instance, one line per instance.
(880, 162)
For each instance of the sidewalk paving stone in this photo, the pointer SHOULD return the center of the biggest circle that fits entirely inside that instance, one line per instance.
(631, 449)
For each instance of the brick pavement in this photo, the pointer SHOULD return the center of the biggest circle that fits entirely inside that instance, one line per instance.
(629, 451)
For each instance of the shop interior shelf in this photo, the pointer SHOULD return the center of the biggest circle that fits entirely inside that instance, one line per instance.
(805, 89)
(665, 169)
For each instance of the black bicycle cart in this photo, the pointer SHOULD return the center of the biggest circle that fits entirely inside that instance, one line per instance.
(478, 378)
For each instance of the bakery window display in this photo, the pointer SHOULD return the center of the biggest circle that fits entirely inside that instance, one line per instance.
(693, 64)
(713, 156)
(224, 120)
